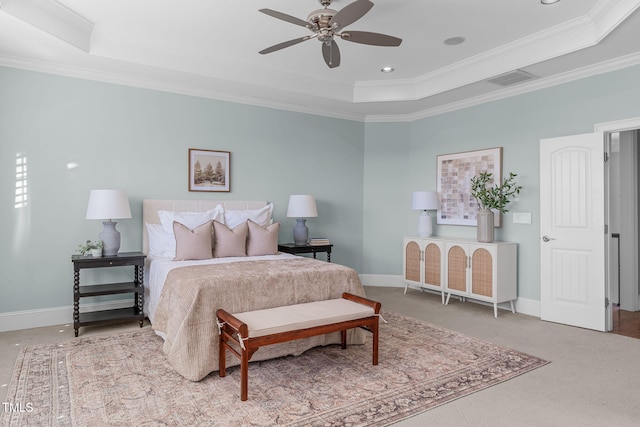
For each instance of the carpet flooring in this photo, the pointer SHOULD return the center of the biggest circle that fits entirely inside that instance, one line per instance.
(124, 379)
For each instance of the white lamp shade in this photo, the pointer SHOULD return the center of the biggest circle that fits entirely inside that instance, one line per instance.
(425, 200)
(302, 206)
(108, 204)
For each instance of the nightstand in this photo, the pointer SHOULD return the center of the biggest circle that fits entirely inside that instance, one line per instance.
(292, 248)
(123, 259)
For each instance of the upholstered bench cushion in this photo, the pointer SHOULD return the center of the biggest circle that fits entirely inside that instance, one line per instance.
(301, 316)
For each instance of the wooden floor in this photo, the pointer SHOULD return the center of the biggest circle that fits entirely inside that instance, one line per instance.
(626, 323)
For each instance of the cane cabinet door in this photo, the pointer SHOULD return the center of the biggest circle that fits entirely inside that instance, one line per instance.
(423, 263)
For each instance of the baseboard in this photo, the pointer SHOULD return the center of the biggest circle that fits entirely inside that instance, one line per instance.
(28, 319)
(523, 305)
(387, 280)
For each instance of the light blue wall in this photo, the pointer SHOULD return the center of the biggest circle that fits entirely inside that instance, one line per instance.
(386, 196)
(138, 140)
(361, 174)
(517, 124)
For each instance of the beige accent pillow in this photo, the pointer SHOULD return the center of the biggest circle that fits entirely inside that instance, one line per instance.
(262, 240)
(229, 242)
(192, 244)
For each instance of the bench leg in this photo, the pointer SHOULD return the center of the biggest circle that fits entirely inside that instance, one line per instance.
(244, 375)
(222, 356)
(344, 338)
(375, 341)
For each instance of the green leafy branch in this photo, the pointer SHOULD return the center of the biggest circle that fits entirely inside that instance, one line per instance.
(496, 197)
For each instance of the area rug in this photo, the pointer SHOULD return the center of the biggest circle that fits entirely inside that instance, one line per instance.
(124, 379)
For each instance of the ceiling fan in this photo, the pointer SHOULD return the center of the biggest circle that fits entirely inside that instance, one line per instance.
(325, 24)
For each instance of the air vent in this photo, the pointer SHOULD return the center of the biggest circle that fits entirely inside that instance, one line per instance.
(511, 78)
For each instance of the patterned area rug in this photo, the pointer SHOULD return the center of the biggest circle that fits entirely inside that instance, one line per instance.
(124, 379)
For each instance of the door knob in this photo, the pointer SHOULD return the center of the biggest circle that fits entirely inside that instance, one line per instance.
(547, 238)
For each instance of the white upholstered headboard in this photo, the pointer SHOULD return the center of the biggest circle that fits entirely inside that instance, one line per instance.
(150, 208)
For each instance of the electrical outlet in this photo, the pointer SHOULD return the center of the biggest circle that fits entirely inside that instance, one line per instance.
(522, 217)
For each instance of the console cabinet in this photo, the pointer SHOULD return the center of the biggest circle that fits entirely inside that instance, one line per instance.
(466, 268)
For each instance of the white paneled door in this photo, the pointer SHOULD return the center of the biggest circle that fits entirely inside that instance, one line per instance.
(572, 231)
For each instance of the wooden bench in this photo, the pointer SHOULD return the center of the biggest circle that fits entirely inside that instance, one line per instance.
(253, 329)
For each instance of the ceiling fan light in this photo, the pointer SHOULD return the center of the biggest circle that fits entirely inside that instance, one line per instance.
(387, 69)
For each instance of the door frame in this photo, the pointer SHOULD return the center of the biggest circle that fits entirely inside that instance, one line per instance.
(607, 128)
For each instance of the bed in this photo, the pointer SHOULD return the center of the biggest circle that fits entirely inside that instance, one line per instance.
(181, 297)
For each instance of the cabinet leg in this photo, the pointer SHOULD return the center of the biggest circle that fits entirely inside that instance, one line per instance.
(442, 294)
(448, 296)
(406, 285)
(513, 307)
(495, 310)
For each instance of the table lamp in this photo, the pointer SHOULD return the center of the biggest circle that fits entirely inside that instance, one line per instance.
(301, 206)
(425, 201)
(109, 205)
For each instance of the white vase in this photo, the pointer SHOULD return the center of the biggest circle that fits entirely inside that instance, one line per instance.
(485, 226)
(96, 252)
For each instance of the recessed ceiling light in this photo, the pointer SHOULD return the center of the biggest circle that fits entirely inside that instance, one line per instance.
(452, 41)
(387, 69)
(549, 1)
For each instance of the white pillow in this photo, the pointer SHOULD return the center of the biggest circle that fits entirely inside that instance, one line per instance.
(260, 216)
(190, 219)
(161, 244)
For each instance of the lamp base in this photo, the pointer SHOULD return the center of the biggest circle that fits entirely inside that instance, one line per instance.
(425, 228)
(300, 232)
(110, 238)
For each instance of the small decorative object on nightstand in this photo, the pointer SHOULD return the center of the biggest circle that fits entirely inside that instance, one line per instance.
(124, 259)
(292, 248)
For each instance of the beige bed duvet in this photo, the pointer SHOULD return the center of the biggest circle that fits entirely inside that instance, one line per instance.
(185, 315)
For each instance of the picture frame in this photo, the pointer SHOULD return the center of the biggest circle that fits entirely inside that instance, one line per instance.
(209, 170)
(453, 177)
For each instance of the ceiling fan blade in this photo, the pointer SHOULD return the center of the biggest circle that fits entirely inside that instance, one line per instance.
(351, 13)
(366, 37)
(285, 17)
(284, 44)
(331, 53)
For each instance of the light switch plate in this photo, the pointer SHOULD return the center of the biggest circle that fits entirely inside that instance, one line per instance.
(522, 217)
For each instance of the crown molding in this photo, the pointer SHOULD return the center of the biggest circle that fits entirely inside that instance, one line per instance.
(189, 89)
(573, 35)
(80, 73)
(569, 76)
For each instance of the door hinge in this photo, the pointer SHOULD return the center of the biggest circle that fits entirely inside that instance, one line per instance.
(606, 302)
(606, 157)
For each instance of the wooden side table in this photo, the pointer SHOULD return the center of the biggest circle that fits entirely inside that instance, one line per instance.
(123, 259)
(292, 248)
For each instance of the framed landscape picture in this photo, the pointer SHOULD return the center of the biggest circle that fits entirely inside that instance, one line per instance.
(454, 173)
(209, 170)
